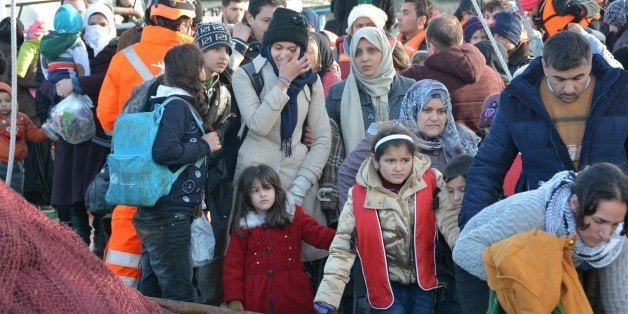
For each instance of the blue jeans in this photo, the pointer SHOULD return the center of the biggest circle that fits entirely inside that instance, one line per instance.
(409, 299)
(17, 177)
(166, 254)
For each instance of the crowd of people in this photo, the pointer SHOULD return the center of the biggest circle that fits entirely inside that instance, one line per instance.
(391, 161)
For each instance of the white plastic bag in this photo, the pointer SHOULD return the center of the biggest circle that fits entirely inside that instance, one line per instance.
(203, 241)
(72, 118)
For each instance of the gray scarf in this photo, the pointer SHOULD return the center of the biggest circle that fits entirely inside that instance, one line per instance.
(560, 220)
(377, 87)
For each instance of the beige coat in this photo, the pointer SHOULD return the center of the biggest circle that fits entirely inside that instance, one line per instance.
(262, 143)
(396, 214)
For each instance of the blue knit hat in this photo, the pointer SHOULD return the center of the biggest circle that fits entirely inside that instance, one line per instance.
(470, 27)
(68, 20)
(507, 25)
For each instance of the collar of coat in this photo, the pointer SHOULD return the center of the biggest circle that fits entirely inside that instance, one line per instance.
(380, 197)
(253, 219)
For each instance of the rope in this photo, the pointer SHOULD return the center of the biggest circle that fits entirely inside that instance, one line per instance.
(13, 128)
(502, 61)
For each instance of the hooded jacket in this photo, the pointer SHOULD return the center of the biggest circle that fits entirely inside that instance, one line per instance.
(522, 124)
(395, 212)
(469, 80)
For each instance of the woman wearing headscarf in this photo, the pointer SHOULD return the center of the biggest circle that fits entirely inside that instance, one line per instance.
(372, 90)
(428, 104)
(322, 61)
(77, 164)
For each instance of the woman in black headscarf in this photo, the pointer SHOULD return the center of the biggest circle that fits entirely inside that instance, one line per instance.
(322, 61)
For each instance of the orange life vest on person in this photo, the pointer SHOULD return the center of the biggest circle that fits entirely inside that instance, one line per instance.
(552, 22)
(413, 44)
(124, 248)
(372, 252)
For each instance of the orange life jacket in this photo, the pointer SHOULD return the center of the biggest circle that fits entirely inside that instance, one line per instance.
(413, 44)
(552, 22)
(372, 252)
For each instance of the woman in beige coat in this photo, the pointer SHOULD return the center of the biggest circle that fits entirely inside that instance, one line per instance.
(291, 98)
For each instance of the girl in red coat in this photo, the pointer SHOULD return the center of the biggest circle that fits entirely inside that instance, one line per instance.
(263, 271)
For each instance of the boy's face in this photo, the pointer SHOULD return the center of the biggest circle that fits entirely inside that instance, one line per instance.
(216, 60)
(455, 188)
(259, 23)
(5, 103)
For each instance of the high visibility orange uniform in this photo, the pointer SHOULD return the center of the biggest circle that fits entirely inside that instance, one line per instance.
(413, 44)
(123, 251)
(552, 22)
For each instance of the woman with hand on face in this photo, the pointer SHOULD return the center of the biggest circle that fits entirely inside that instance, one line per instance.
(372, 91)
(292, 97)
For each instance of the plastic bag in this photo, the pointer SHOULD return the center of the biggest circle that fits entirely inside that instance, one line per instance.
(73, 120)
(203, 241)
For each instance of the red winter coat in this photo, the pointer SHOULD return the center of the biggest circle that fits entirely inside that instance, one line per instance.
(264, 270)
(469, 80)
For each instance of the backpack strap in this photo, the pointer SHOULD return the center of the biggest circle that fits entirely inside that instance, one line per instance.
(256, 78)
(196, 117)
(137, 63)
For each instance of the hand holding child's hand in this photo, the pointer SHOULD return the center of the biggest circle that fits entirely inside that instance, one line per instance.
(236, 305)
(213, 140)
(64, 87)
(292, 66)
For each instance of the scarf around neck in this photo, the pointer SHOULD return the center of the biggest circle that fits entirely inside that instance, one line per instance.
(55, 43)
(560, 220)
(289, 113)
(455, 139)
(377, 87)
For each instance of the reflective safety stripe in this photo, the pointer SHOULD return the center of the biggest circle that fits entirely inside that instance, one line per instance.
(132, 282)
(122, 258)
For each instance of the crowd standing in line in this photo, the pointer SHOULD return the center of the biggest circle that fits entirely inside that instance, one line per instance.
(395, 103)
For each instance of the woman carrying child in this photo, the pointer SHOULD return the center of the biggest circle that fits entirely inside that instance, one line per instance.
(394, 209)
(263, 270)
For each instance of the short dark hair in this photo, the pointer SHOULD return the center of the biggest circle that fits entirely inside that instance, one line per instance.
(502, 5)
(444, 32)
(172, 25)
(387, 129)
(566, 50)
(255, 6)
(457, 167)
(603, 181)
(423, 7)
(228, 2)
(277, 216)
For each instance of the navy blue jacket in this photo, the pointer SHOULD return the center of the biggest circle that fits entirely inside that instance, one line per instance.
(522, 124)
(178, 142)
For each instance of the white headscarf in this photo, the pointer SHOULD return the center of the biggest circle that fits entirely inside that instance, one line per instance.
(374, 13)
(96, 36)
(377, 87)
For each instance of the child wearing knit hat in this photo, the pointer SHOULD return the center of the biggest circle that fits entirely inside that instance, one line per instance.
(473, 32)
(26, 130)
(214, 39)
(63, 52)
(29, 51)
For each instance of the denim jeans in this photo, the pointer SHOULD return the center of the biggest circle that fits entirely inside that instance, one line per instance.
(472, 292)
(76, 216)
(17, 177)
(166, 254)
(410, 299)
